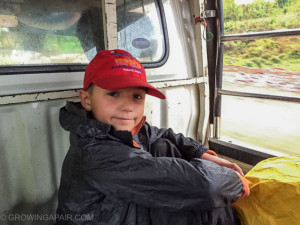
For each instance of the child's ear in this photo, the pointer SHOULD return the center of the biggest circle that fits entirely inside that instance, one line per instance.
(85, 99)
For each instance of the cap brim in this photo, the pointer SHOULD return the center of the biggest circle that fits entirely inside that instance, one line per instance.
(120, 82)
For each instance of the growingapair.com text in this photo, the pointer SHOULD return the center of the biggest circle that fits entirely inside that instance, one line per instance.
(45, 217)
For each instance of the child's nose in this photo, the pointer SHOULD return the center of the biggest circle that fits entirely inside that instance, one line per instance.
(127, 104)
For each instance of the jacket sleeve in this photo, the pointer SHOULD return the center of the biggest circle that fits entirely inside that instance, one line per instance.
(188, 147)
(133, 175)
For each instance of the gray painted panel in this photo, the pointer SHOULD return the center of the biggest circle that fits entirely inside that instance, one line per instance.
(32, 148)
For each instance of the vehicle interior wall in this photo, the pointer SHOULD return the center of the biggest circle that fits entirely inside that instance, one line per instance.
(32, 143)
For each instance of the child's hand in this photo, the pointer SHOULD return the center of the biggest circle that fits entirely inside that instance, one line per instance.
(212, 156)
(228, 164)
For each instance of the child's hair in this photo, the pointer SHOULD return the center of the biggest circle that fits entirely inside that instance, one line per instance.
(117, 69)
(90, 89)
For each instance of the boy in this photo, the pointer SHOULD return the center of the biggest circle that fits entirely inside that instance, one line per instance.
(121, 170)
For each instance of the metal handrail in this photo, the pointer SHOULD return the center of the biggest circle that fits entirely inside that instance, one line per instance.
(256, 95)
(260, 35)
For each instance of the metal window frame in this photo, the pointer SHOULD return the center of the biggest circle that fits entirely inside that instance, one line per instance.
(238, 152)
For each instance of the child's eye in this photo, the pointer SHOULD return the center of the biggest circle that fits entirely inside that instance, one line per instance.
(137, 97)
(112, 93)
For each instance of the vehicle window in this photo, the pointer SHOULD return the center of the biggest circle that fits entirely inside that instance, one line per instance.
(61, 33)
(140, 30)
(243, 16)
(261, 124)
(71, 32)
(267, 68)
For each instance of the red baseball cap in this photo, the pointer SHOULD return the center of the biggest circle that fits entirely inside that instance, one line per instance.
(117, 69)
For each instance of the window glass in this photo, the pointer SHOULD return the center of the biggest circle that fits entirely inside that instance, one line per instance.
(243, 16)
(269, 66)
(140, 30)
(265, 66)
(63, 32)
(269, 124)
(71, 31)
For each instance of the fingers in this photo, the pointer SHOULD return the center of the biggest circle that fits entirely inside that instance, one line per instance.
(233, 166)
(238, 169)
(246, 189)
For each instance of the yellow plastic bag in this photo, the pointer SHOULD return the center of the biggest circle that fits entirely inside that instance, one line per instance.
(274, 193)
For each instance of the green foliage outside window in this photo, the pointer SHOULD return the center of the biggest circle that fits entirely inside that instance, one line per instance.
(258, 16)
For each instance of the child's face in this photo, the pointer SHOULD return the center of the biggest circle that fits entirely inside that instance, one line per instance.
(122, 108)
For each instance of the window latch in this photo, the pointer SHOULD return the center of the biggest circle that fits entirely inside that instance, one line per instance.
(208, 14)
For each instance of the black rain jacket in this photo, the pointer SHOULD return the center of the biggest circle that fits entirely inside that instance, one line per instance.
(107, 181)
